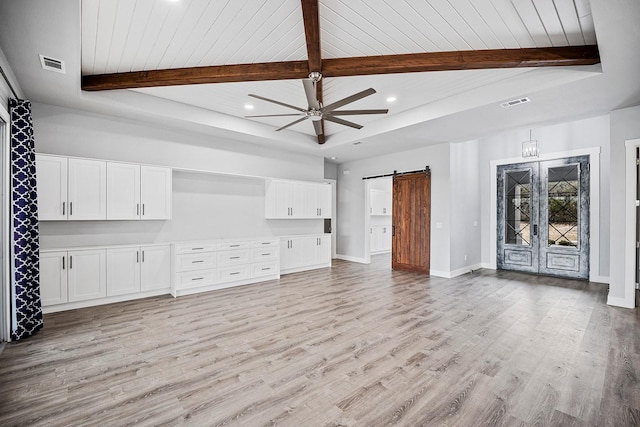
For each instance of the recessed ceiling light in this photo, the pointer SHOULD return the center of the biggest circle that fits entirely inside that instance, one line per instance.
(391, 99)
(333, 158)
(248, 107)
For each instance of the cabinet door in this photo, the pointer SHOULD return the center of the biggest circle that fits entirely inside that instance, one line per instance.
(51, 172)
(155, 192)
(87, 189)
(310, 197)
(123, 191)
(155, 268)
(53, 278)
(87, 274)
(323, 252)
(324, 200)
(291, 252)
(386, 238)
(373, 239)
(123, 271)
(296, 190)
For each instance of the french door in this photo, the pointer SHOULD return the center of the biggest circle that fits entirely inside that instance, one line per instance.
(543, 217)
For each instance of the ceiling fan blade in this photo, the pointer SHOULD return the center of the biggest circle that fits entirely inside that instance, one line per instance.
(356, 112)
(276, 115)
(293, 123)
(277, 102)
(349, 99)
(310, 91)
(317, 126)
(342, 122)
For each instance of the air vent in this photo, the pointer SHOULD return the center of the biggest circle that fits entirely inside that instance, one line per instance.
(514, 102)
(52, 64)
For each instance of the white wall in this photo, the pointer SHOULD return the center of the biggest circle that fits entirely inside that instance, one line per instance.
(579, 134)
(625, 125)
(351, 201)
(204, 206)
(465, 206)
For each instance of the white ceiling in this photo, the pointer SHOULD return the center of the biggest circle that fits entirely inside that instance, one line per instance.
(103, 36)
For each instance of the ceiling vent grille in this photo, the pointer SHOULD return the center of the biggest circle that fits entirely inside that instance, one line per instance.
(514, 102)
(52, 64)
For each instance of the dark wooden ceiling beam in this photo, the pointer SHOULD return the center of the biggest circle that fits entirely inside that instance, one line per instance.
(311, 20)
(197, 75)
(461, 60)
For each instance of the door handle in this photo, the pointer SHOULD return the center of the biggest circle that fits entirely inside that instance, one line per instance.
(535, 229)
(393, 230)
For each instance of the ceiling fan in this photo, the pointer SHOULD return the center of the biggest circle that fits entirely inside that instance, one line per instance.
(317, 112)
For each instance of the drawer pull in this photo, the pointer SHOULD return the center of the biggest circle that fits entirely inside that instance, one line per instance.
(196, 262)
(197, 278)
(197, 249)
(265, 243)
(266, 268)
(233, 246)
(266, 254)
(233, 274)
(234, 257)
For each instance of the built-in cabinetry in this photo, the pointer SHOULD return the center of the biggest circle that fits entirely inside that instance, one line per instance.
(299, 253)
(138, 191)
(206, 265)
(381, 230)
(297, 199)
(84, 277)
(87, 189)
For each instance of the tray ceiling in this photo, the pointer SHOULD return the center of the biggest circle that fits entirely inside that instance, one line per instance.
(142, 35)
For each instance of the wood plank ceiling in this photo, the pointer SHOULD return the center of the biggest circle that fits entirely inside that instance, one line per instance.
(126, 36)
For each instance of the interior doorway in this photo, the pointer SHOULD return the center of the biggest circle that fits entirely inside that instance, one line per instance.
(378, 227)
(543, 217)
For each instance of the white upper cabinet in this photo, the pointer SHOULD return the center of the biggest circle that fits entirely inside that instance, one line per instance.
(297, 199)
(380, 202)
(87, 186)
(138, 192)
(85, 189)
(155, 192)
(51, 172)
(123, 191)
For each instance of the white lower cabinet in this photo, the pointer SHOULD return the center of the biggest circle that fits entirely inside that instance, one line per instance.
(380, 240)
(87, 274)
(203, 266)
(138, 268)
(85, 277)
(300, 253)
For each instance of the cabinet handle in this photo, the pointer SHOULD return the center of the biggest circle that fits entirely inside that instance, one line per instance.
(197, 249)
(63, 263)
(234, 257)
(266, 268)
(197, 262)
(70, 262)
(234, 273)
(267, 254)
(143, 209)
(63, 206)
(137, 256)
(142, 256)
(137, 208)
(234, 246)
(265, 243)
(197, 278)
(70, 208)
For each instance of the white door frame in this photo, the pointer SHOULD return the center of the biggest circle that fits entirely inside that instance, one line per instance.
(594, 195)
(367, 221)
(5, 291)
(630, 225)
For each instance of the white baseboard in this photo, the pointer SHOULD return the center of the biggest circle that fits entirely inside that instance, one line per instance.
(488, 265)
(599, 279)
(621, 302)
(455, 273)
(352, 259)
(103, 301)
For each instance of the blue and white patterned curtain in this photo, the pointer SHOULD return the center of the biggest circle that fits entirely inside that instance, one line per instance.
(24, 241)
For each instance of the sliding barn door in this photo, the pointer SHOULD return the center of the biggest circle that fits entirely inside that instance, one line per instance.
(411, 222)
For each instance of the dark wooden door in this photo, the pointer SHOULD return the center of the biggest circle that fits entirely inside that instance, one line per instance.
(411, 243)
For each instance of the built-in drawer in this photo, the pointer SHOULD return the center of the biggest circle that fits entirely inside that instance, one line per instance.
(266, 243)
(187, 248)
(193, 279)
(237, 272)
(233, 257)
(197, 261)
(264, 254)
(233, 245)
(264, 269)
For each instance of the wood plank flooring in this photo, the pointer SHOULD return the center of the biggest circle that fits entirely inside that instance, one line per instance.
(354, 345)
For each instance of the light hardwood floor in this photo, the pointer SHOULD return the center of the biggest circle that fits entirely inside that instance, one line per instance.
(351, 345)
